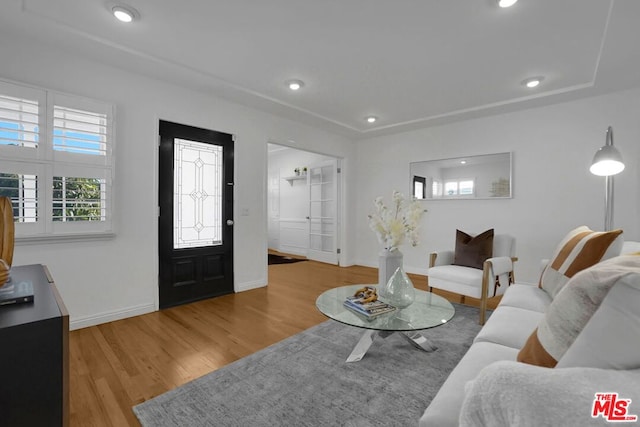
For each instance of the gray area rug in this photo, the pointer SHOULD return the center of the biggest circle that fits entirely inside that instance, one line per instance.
(304, 381)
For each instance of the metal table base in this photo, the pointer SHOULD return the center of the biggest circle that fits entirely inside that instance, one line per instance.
(415, 338)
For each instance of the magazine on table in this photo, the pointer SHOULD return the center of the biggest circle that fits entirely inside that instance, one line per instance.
(369, 309)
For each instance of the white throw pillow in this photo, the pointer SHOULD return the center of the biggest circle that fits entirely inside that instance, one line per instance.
(611, 338)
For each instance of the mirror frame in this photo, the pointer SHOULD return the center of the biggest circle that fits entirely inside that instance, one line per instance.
(422, 180)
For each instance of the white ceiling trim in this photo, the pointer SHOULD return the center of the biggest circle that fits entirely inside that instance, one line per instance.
(602, 41)
(485, 107)
(167, 62)
(197, 78)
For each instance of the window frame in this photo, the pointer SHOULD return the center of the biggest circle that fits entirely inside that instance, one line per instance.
(46, 162)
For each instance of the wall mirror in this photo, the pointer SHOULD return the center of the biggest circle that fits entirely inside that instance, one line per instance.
(473, 177)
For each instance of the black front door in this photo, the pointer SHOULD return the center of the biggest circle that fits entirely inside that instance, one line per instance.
(195, 227)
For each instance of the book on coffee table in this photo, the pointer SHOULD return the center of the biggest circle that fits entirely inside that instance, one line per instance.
(368, 309)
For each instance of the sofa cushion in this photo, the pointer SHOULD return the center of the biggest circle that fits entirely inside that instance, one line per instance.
(454, 278)
(444, 409)
(579, 249)
(514, 394)
(509, 326)
(526, 296)
(572, 308)
(473, 251)
(465, 275)
(611, 338)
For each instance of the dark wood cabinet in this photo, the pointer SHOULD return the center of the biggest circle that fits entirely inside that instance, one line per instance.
(34, 355)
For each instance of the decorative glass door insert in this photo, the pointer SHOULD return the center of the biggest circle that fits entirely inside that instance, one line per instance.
(197, 197)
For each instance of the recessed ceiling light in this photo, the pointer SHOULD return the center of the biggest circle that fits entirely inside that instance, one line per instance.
(295, 84)
(125, 13)
(506, 3)
(532, 82)
(464, 162)
(371, 119)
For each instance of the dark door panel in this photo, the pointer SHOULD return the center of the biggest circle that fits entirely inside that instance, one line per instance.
(195, 228)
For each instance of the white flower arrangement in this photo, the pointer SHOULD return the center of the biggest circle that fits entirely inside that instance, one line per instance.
(393, 225)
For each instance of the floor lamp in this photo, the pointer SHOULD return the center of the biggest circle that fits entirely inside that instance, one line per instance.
(607, 162)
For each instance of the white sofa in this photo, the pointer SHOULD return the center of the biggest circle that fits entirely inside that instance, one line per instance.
(496, 348)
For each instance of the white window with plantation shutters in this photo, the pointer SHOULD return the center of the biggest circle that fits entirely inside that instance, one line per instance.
(56, 162)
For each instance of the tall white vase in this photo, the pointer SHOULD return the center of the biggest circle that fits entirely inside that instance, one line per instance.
(388, 263)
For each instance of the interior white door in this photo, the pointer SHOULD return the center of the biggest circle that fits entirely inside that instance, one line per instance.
(322, 180)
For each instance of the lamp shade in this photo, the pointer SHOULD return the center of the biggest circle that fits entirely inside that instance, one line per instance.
(607, 161)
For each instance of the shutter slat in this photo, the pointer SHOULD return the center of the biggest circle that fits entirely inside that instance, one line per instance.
(17, 142)
(79, 139)
(18, 103)
(62, 113)
(80, 132)
(8, 129)
(97, 120)
(18, 121)
(102, 132)
(10, 115)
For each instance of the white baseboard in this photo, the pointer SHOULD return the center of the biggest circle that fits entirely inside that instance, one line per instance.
(344, 262)
(97, 319)
(247, 286)
(110, 316)
(413, 270)
(417, 270)
(365, 263)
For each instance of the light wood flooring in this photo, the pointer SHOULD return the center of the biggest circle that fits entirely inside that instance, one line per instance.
(117, 365)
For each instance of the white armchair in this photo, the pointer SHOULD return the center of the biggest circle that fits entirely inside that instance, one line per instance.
(488, 282)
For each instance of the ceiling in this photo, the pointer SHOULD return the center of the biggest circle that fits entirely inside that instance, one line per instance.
(411, 63)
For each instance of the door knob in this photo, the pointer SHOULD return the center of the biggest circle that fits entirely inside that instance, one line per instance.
(229, 222)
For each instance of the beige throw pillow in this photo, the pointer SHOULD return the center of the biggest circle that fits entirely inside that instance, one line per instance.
(572, 308)
(579, 249)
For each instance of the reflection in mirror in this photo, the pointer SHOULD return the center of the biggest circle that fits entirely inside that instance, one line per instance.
(474, 177)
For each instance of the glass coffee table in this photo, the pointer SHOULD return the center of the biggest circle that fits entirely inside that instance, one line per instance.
(428, 311)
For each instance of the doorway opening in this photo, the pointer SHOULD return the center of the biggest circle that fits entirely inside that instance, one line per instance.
(303, 204)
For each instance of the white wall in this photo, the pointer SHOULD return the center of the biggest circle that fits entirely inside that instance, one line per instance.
(553, 189)
(106, 280)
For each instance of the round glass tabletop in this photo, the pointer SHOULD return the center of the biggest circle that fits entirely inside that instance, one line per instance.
(429, 310)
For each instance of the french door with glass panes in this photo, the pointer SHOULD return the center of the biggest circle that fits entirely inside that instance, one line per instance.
(323, 213)
(195, 227)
